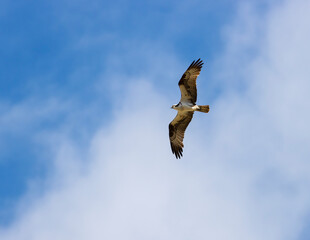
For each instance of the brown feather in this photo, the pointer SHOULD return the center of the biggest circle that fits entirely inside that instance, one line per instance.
(176, 132)
(187, 82)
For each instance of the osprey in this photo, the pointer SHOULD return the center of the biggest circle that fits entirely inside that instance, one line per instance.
(186, 107)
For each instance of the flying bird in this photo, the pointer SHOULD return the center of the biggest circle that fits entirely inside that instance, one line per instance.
(186, 107)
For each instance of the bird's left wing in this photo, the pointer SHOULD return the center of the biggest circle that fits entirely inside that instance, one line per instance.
(176, 132)
(187, 83)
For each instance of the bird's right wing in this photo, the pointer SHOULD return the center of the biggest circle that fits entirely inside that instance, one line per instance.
(187, 83)
(176, 132)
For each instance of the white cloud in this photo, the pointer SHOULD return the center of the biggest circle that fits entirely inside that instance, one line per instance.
(245, 173)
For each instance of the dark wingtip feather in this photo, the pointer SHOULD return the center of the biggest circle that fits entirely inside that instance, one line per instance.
(178, 153)
(196, 64)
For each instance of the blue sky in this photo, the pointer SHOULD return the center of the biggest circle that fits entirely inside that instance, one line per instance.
(78, 147)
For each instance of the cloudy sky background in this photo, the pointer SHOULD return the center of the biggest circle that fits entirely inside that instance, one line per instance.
(86, 89)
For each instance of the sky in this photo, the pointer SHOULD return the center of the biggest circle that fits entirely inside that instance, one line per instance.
(85, 94)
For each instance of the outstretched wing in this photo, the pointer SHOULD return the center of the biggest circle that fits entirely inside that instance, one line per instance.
(187, 83)
(176, 132)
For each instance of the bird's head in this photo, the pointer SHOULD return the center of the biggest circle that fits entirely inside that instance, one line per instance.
(174, 106)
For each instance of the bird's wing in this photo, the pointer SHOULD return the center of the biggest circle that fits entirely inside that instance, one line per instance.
(187, 83)
(176, 132)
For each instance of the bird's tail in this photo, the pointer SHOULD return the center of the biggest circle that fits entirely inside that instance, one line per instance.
(203, 108)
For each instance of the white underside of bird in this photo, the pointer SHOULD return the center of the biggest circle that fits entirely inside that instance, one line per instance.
(185, 107)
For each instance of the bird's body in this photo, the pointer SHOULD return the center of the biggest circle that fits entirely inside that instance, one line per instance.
(186, 107)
